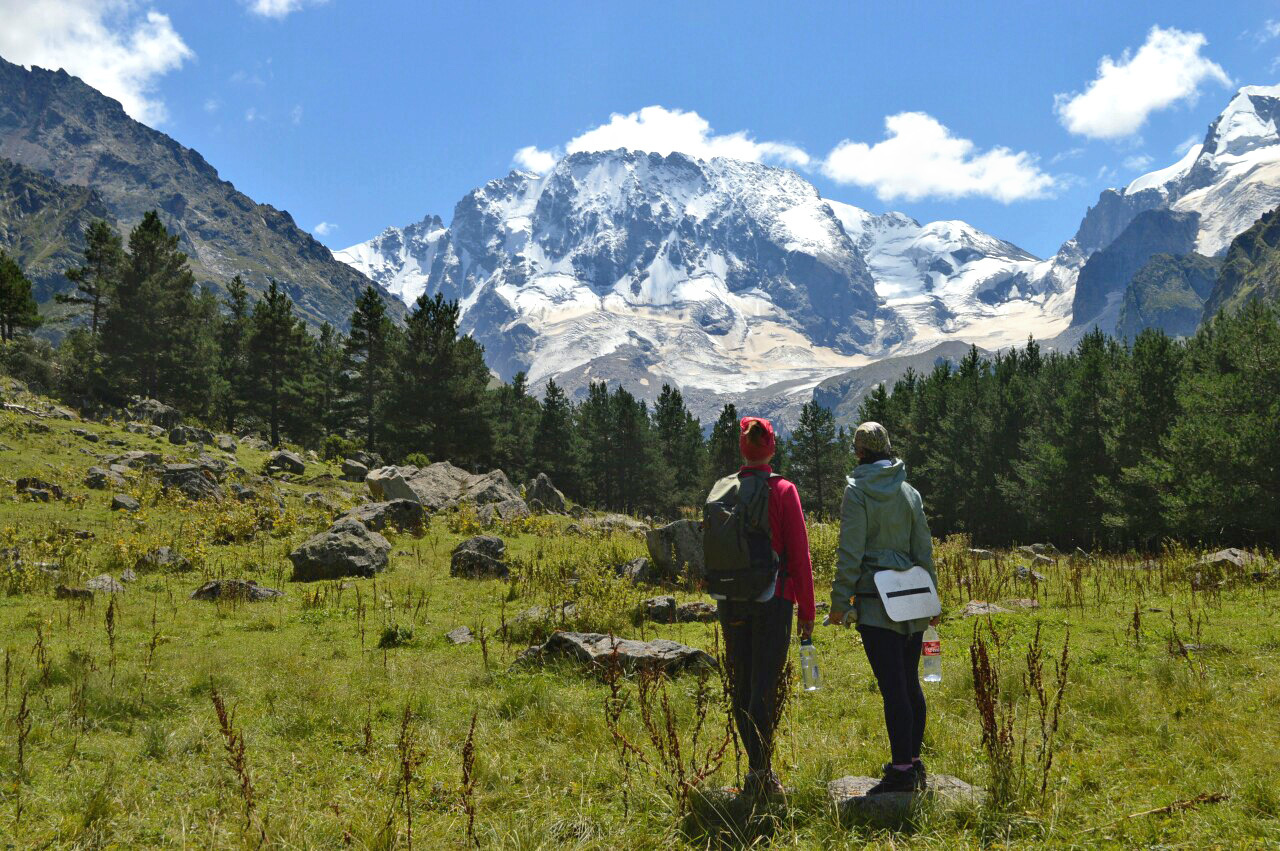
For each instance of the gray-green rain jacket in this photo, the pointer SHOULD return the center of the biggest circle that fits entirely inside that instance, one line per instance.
(882, 527)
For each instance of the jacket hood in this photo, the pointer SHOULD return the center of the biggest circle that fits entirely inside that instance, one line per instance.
(880, 480)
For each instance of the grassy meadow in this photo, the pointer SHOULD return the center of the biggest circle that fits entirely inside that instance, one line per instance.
(350, 721)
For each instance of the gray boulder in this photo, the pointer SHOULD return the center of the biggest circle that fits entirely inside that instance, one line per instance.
(479, 558)
(609, 523)
(137, 460)
(388, 483)
(597, 651)
(982, 555)
(549, 499)
(164, 559)
(894, 810)
(99, 479)
(145, 429)
(104, 583)
(677, 548)
(507, 510)
(235, 589)
(441, 486)
(981, 608)
(666, 610)
(1026, 574)
(192, 481)
(369, 459)
(65, 592)
(85, 434)
(225, 442)
(353, 471)
(348, 548)
(254, 442)
(638, 571)
(179, 435)
(124, 502)
(404, 515)
(38, 488)
(154, 412)
(1228, 559)
(283, 461)
(459, 635)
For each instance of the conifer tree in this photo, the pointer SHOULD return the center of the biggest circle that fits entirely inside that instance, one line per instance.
(326, 363)
(679, 437)
(816, 461)
(278, 350)
(18, 311)
(104, 261)
(366, 368)
(723, 456)
(599, 446)
(515, 423)
(555, 449)
(234, 328)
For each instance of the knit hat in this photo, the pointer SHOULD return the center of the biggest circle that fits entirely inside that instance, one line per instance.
(756, 440)
(872, 437)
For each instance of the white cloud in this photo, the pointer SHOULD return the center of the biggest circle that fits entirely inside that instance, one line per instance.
(251, 115)
(324, 228)
(1167, 68)
(279, 9)
(660, 130)
(1188, 143)
(1069, 154)
(1137, 162)
(212, 105)
(109, 44)
(920, 158)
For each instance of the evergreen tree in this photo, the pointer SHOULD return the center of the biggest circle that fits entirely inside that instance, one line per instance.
(723, 457)
(679, 437)
(599, 446)
(18, 311)
(326, 363)
(515, 424)
(366, 368)
(278, 354)
(104, 262)
(555, 450)
(817, 461)
(234, 328)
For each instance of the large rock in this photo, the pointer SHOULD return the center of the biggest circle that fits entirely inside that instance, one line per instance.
(354, 471)
(388, 483)
(283, 461)
(1229, 559)
(154, 412)
(32, 486)
(124, 502)
(855, 806)
(348, 548)
(225, 442)
(548, 498)
(667, 610)
(608, 523)
(596, 650)
(677, 548)
(507, 510)
(192, 481)
(369, 459)
(137, 459)
(488, 489)
(402, 514)
(235, 589)
(441, 486)
(104, 583)
(179, 435)
(145, 429)
(638, 571)
(479, 558)
(165, 559)
(100, 479)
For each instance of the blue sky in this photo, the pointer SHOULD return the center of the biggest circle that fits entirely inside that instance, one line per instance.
(367, 114)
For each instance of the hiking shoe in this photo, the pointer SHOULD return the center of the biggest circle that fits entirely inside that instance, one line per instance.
(922, 779)
(762, 784)
(894, 780)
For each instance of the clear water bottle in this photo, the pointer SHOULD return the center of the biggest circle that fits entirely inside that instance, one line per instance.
(809, 674)
(931, 650)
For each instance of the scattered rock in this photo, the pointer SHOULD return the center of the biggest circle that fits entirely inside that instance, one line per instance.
(389, 483)
(459, 635)
(254, 442)
(38, 488)
(1045, 550)
(154, 412)
(242, 493)
(979, 608)
(124, 502)
(1081, 555)
(440, 486)
(577, 531)
(549, 498)
(179, 435)
(137, 460)
(192, 481)
(224, 442)
(507, 510)
(1041, 559)
(677, 548)
(144, 429)
(1026, 574)
(597, 650)
(128, 575)
(85, 434)
(982, 555)
(284, 461)
(235, 589)
(404, 515)
(479, 558)
(104, 583)
(162, 559)
(639, 571)
(666, 610)
(609, 523)
(317, 498)
(1223, 559)
(60, 413)
(99, 479)
(64, 592)
(849, 795)
(369, 459)
(353, 471)
(348, 548)
(1022, 603)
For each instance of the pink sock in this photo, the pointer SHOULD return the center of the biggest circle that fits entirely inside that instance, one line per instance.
(906, 767)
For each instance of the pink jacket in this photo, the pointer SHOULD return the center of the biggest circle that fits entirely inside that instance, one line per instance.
(790, 540)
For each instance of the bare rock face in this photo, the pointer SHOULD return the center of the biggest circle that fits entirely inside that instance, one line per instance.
(596, 651)
(348, 548)
(677, 548)
(235, 589)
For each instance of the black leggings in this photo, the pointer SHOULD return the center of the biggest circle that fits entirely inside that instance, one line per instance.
(895, 660)
(757, 637)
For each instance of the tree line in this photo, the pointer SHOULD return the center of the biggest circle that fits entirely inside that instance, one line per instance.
(1112, 444)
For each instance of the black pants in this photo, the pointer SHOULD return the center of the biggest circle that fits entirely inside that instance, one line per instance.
(895, 660)
(757, 637)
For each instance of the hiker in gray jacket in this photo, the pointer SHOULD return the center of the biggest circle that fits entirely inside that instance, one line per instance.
(882, 526)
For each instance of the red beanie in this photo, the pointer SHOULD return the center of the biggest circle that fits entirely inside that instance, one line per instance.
(756, 441)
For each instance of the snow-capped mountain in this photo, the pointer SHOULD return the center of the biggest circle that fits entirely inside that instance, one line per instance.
(1218, 189)
(723, 277)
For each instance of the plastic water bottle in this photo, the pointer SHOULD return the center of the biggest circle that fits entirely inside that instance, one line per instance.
(931, 650)
(809, 674)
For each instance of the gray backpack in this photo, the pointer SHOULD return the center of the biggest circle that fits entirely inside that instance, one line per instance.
(736, 542)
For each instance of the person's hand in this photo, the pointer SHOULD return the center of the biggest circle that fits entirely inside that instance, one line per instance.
(836, 619)
(806, 629)
(935, 620)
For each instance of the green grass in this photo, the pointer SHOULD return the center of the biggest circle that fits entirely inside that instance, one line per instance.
(125, 764)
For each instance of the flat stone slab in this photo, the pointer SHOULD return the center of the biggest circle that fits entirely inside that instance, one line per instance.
(849, 795)
(595, 650)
